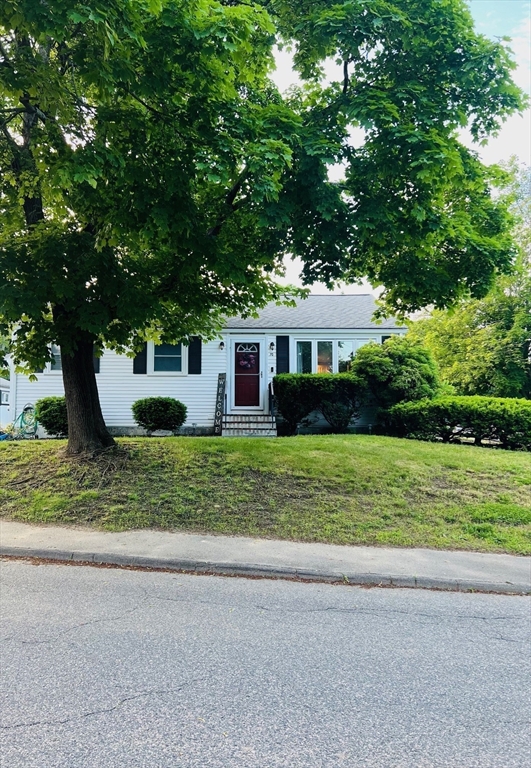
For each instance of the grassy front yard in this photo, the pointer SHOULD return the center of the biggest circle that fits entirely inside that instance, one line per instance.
(337, 489)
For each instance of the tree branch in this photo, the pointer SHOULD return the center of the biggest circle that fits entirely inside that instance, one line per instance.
(346, 79)
(7, 120)
(229, 204)
(15, 148)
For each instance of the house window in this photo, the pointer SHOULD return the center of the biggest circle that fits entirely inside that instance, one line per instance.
(328, 356)
(56, 366)
(345, 355)
(384, 338)
(168, 358)
(304, 357)
(324, 357)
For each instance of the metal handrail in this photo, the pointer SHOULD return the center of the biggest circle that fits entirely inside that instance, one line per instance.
(271, 394)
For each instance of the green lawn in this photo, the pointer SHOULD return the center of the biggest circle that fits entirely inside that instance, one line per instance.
(349, 489)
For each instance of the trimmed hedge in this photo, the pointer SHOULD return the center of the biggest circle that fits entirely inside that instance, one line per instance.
(337, 396)
(154, 413)
(504, 420)
(51, 414)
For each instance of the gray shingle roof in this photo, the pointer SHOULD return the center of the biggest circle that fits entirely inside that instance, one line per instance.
(343, 312)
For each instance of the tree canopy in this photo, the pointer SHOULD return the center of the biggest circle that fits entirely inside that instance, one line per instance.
(483, 346)
(153, 177)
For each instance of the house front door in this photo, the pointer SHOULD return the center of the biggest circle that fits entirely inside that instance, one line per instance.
(247, 375)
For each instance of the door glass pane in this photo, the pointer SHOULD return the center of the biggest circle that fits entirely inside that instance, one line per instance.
(345, 353)
(247, 359)
(304, 357)
(324, 357)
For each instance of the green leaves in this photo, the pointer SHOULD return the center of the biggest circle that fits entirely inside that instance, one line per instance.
(398, 370)
(153, 177)
(482, 345)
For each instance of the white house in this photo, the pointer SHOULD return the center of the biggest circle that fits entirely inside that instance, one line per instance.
(5, 412)
(230, 376)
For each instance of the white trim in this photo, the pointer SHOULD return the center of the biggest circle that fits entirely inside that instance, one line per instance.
(13, 381)
(246, 339)
(48, 370)
(317, 332)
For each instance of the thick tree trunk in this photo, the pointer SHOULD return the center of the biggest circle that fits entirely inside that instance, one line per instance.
(87, 432)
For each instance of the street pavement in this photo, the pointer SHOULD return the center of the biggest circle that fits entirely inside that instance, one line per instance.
(483, 572)
(110, 668)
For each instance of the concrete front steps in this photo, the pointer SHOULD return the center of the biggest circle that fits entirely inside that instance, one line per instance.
(248, 425)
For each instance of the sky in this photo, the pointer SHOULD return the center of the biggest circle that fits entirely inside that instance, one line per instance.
(494, 19)
(511, 18)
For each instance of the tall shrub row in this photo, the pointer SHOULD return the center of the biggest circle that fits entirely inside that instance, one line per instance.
(506, 421)
(382, 374)
(338, 397)
(401, 378)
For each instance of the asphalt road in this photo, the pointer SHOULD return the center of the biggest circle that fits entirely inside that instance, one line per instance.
(111, 668)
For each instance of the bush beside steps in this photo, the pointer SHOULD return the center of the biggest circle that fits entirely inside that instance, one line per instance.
(337, 396)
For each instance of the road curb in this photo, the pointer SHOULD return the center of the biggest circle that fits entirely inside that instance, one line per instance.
(264, 571)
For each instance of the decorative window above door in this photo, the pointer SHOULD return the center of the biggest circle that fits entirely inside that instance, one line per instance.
(247, 348)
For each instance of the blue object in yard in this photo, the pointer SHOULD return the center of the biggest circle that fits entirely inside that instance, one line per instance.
(26, 424)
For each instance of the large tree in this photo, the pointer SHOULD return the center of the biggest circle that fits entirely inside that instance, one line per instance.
(153, 177)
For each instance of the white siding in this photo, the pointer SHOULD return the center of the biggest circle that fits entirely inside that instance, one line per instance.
(5, 408)
(119, 387)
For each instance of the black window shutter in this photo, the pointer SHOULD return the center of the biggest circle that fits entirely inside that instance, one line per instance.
(384, 338)
(96, 364)
(140, 361)
(282, 354)
(195, 349)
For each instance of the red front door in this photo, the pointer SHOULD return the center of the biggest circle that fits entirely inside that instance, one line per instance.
(247, 375)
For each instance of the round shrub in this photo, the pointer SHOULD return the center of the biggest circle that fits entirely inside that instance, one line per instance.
(398, 371)
(154, 413)
(51, 414)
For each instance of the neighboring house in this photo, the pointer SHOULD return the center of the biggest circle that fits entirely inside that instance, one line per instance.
(5, 413)
(321, 334)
